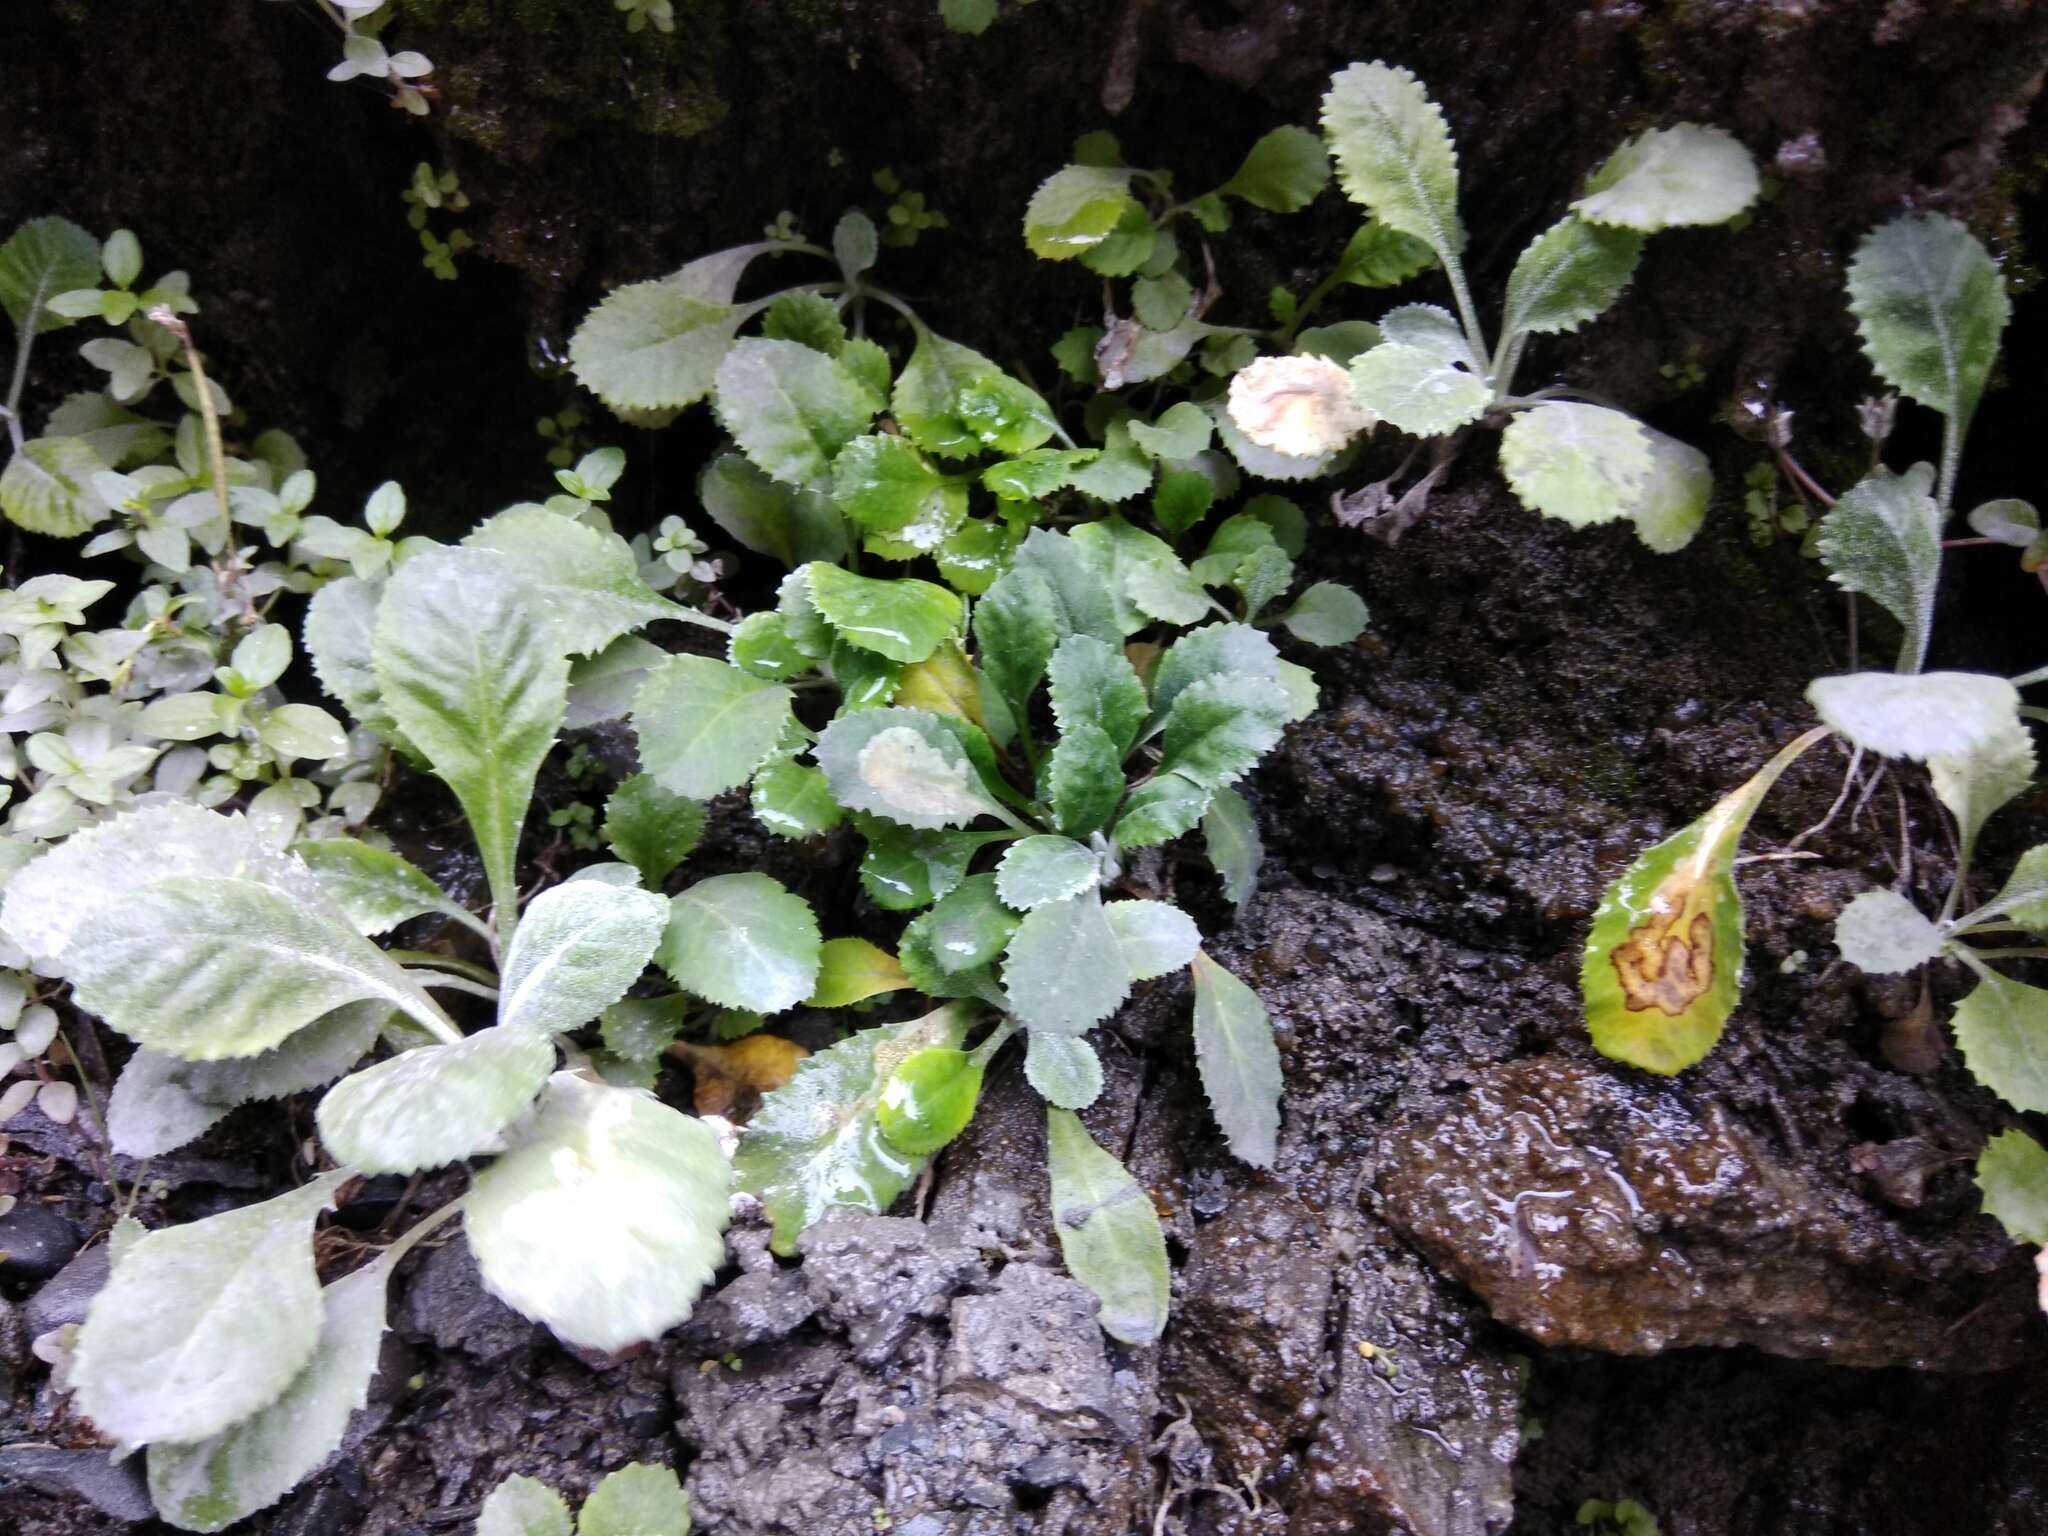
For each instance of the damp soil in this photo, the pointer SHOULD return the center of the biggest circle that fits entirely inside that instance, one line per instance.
(1491, 1275)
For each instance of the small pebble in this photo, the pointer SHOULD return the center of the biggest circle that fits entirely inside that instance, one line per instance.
(35, 1242)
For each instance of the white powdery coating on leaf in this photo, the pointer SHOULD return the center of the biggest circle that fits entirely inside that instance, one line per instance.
(1300, 406)
(910, 773)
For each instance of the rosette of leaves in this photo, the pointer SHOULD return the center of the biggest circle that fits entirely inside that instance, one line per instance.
(1662, 968)
(1125, 222)
(834, 444)
(1000, 791)
(1434, 373)
(243, 971)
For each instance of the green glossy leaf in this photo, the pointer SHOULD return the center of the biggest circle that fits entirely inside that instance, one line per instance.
(1285, 171)
(1037, 474)
(865, 680)
(1064, 1069)
(1326, 614)
(2001, 1028)
(903, 764)
(704, 727)
(523, 1506)
(1064, 970)
(607, 1218)
(1075, 209)
(1883, 539)
(816, 1142)
(905, 869)
(966, 929)
(1109, 1232)
(1239, 1060)
(929, 1099)
(852, 969)
(636, 1500)
(742, 941)
(2012, 1173)
(1394, 153)
(651, 828)
(201, 1325)
(579, 947)
(1663, 965)
(1231, 834)
(1571, 273)
(374, 886)
(652, 346)
(1036, 870)
(1082, 779)
(473, 673)
(1931, 304)
(588, 580)
(1944, 714)
(41, 259)
(209, 1484)
(954, 402)
(761, 647)
(1666, 178)
(1433, 329)
(794, 801)
(790, 524)
(901, 619)
(1583, 464)
(436, 1104)
(791, 409)
(1884, 934)
(883, 483)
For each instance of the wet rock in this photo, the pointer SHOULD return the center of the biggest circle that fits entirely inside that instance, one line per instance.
(1034, 1340)
(1419, 1435)
(874, 1276)
(120, 1491)
(322, 1510)
(14, 1355)
(992, 1194)
(35, 1242)
(752, 1309)
(64, 1297)
(1251, 1329)
(446, 1302)
(1590, 1208)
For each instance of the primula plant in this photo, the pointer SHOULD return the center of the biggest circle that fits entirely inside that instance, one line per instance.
(1003, 772)
(1437, 374)
(1663, 965)
(245, 970)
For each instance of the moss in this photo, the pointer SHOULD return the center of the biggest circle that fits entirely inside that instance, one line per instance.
(495, 57)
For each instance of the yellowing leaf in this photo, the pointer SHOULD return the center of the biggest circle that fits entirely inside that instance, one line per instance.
(853, 969)
(726, 1074)
(1663, 964)
(944, 683)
